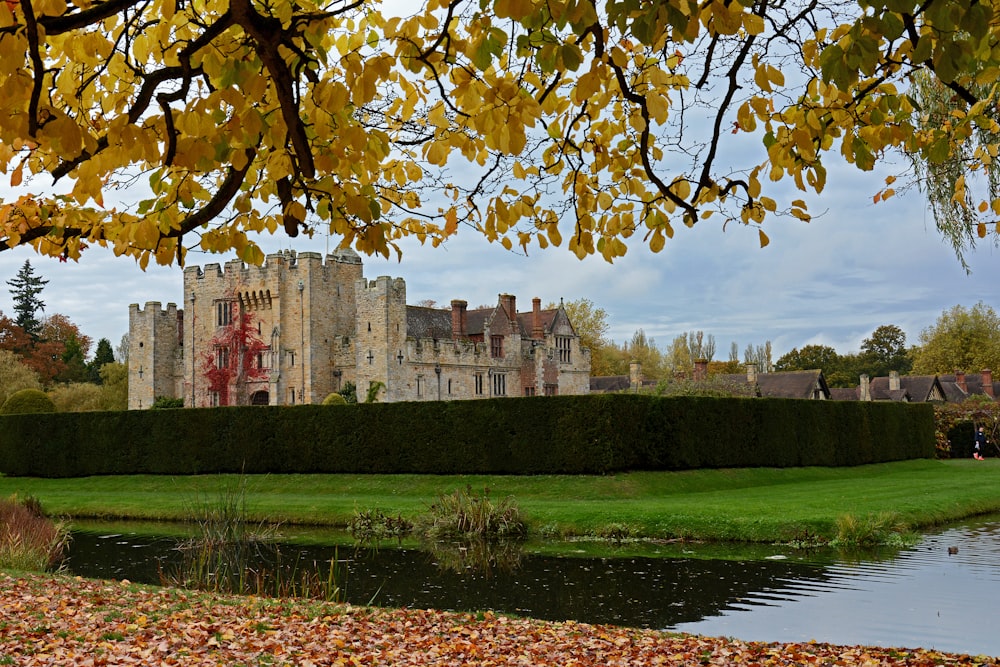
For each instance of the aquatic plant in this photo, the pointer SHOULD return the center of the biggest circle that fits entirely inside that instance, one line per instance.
(232, 553)
(464, 514)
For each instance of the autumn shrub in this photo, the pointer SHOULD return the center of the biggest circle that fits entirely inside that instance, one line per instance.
(335, 399)
(464, 514)
(27, 401)
(77, 397)
(28, 539)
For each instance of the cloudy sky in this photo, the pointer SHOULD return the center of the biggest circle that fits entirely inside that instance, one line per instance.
(832, 281)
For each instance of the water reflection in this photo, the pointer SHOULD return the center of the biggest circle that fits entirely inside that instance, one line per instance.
(920, 597)
(923, 597)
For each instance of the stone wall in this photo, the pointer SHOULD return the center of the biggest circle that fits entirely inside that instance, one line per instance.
(324, 325)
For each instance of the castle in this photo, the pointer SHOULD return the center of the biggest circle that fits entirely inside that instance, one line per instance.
(302, 326)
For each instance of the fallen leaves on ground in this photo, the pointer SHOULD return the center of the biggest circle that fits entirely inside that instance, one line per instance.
(58, 620)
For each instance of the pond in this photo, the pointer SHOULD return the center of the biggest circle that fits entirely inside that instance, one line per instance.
(923, 596)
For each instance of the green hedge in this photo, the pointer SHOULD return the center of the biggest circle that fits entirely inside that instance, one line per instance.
(554, 435)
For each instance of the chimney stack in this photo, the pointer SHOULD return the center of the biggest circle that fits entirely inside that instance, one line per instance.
(893, 380)
(458, 309)
(988, 382)
(960, 381)
(537, 332)
(700, 370)
(752, 373)
(635, 374)
(508, 303)
(864, 389)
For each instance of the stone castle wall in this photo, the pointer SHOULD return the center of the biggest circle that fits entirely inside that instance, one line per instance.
(325, 325)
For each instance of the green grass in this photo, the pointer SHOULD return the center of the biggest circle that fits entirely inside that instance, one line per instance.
(753, 505)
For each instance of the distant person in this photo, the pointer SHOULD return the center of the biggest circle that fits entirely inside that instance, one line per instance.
(980, 447)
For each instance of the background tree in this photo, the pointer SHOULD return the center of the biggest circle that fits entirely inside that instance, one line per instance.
(121, 352)
(103, 355)
(58, 329)
(573, 122)
(642, 349)
(760, 356)
(961, 339)
(43, 357)
(810, 357)
(15, 375)
(232, 363)
(884, 351)
(114, 386)
(25, 289)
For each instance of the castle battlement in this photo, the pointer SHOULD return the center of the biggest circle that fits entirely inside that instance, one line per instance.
(152, 308)
(287, 259)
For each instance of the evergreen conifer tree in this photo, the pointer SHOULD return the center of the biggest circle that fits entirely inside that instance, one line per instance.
(25, 288)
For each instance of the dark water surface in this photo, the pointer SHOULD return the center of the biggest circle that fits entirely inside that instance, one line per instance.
(918, 597)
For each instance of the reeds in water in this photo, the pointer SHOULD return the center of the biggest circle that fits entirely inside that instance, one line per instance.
(232, 553)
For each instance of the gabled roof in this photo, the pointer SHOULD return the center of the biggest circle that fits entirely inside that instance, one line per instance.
(527, 321)
(792, 384)
(785, 384)
(973, 383)
(609, 383)
(918, 388)
(428, 322)
(845, 394)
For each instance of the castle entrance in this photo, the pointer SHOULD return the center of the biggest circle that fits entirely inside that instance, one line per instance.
(260, 398)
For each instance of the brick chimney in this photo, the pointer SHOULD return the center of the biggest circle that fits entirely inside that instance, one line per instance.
(893, 380)
(864, 389)
(508, 303)
(635, 374)
(960, 381)
(987, 375)
(700, 370)
(458, 321)
(752, 373)
(537, 331)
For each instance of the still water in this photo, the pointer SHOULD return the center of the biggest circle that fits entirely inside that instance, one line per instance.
(924, 596)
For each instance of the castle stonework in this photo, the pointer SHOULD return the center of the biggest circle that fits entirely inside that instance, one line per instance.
(312, 324)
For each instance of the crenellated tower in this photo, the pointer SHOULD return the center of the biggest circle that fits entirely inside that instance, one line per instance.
(155, 353)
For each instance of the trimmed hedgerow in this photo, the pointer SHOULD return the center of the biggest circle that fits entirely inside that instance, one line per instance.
(595, 434)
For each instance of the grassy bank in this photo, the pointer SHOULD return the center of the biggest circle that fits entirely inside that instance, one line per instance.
(756, 505)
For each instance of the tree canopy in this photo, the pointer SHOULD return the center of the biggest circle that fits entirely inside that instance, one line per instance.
(962, 339)
(168, 124)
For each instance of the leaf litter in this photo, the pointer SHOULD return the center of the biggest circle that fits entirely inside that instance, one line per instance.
(64, 620)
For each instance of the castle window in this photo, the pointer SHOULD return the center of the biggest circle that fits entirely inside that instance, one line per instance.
(213, 398)
(223, 313)
(291, 396)
(449, 387)
(496, 346)
(563, 345)
(222, 357)
(499, 384)
(479, 384)
(420, 385)
(529, 391)
(551, 390)
(291, 358)
(260, 360)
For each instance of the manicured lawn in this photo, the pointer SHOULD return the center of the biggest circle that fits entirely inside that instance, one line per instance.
(760, 505)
